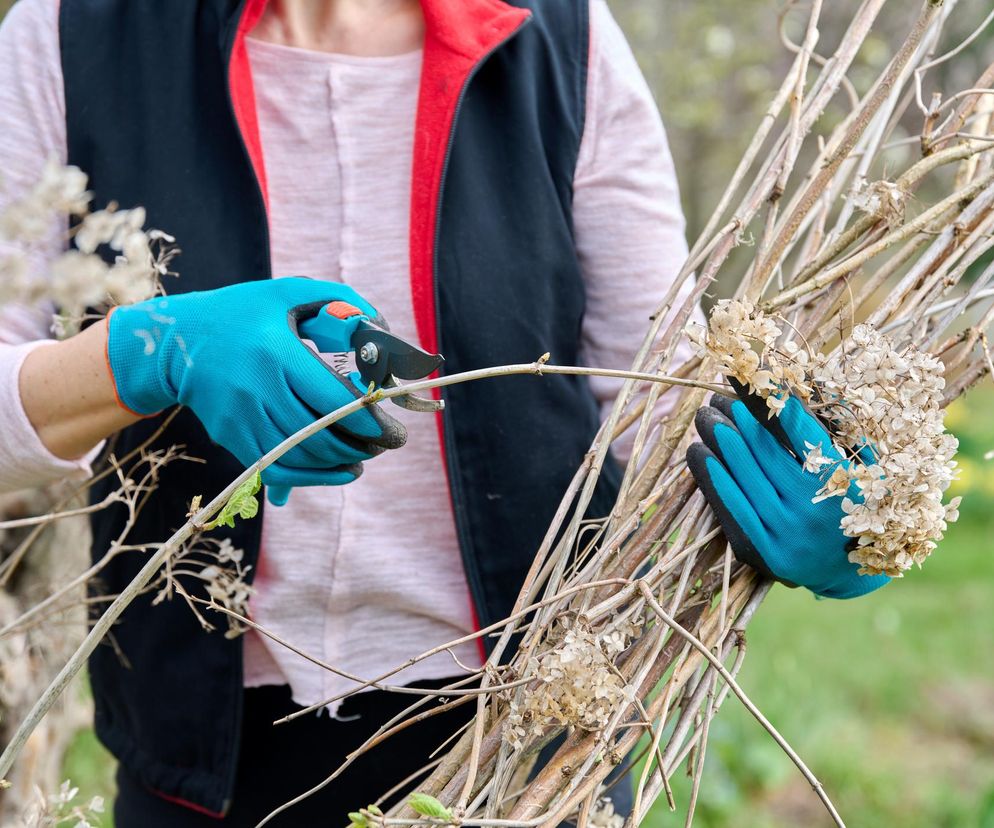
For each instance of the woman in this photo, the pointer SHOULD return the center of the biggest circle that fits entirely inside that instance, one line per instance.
(493, 179)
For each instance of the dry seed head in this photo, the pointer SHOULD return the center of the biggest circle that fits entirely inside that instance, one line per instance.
(577, 685)
(79, 279)
(876, 396)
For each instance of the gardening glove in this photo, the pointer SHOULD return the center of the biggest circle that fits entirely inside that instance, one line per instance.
(235, 358)
(750, 469)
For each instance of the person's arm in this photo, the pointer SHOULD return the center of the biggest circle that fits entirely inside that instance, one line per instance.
(41, 382)
(233, 356)
(626, 209)
(68, 395)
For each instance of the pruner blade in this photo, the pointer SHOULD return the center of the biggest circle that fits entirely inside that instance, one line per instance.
(382, 358)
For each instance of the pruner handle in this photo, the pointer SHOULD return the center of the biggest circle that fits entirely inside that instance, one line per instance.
(332, 327)
(341, 310)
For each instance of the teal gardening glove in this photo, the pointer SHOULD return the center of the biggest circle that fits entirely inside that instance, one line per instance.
(750, 469)
(235, 358)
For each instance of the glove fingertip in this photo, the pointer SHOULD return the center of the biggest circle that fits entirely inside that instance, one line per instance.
(363, 426)
(697, 457)
(394, 434)
(278, 495)
(280, 480)
(389, 433)
(723, 404)
(706, 420)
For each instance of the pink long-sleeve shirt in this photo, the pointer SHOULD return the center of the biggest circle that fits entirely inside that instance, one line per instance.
(359, 585)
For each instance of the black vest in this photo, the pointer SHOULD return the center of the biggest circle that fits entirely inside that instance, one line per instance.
(159, 114)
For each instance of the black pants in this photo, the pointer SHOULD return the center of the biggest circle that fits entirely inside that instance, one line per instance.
(278, 763)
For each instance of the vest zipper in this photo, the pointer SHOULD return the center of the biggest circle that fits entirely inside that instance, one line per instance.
(462, 534)
(256, 524)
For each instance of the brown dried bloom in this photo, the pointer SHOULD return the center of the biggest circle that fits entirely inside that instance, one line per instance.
(889, 400)
(602, 813)
(884, 200)
(79, 279)
(743, 342)
(736, 337)
(577, 687)
(881, 400)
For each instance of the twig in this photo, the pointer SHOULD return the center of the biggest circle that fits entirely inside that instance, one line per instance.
(742, 697)
(20, 523)
(141, 580)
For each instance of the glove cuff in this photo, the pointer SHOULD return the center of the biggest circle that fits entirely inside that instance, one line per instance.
(136, 345)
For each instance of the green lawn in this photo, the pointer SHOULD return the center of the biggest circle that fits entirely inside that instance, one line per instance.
(889, 699)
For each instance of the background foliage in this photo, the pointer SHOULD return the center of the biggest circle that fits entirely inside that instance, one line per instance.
(891, 699)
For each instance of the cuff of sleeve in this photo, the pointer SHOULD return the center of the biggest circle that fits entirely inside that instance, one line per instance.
(25, 461)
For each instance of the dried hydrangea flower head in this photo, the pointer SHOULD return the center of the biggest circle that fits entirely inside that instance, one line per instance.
(889, 399)
(743, 342)
(577, 685)
(79, 279)
(216, 565)
(602, 813)
(882, 403)
(883, 200)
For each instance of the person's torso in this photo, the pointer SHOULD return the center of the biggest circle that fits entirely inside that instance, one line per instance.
(493, 271)
(342, 570)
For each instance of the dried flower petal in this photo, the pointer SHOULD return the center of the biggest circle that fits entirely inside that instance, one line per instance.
(884, 400)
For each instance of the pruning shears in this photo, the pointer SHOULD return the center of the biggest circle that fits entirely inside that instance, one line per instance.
(382, 357)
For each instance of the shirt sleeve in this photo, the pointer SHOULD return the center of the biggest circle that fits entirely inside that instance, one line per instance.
(32, 130)
(628, 221)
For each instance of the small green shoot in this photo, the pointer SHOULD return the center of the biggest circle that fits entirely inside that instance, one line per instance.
(243, 503)
(428, 806)
(360, 820)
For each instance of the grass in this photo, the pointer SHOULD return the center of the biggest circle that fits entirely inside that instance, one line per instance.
(91, 768)
(889, 699)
